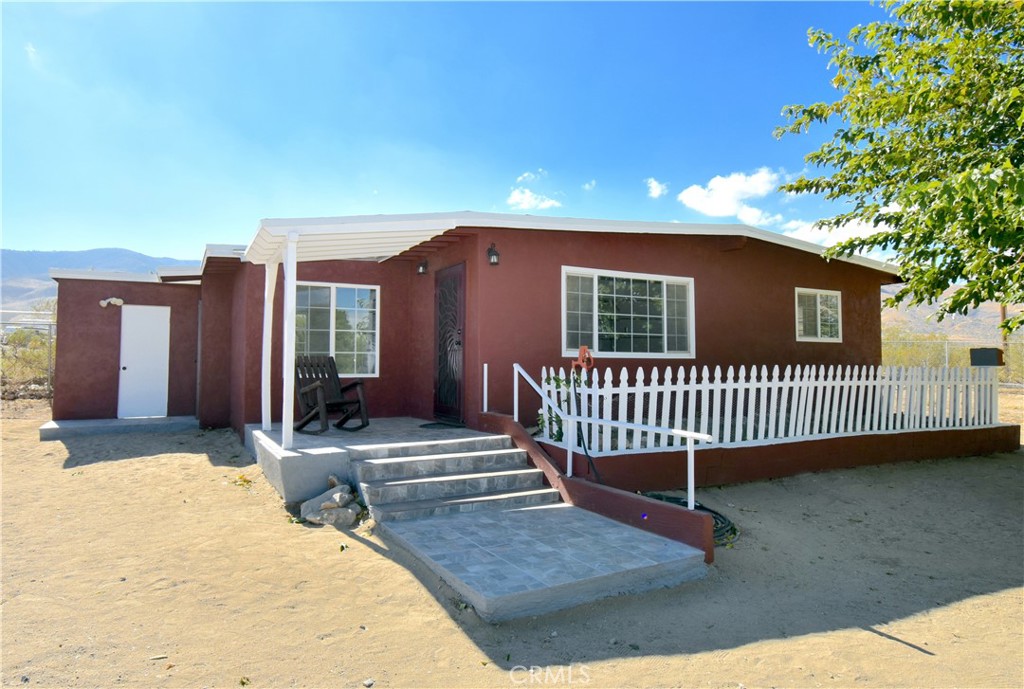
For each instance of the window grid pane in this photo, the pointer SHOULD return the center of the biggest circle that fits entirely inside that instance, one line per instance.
(677, 305)
(351, 326)
(828, 315)
(355, 330)
(629, 312)
(312, 320)
(807, 315)
(579, 320)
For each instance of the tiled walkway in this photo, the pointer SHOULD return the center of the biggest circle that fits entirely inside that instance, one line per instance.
(510, 563)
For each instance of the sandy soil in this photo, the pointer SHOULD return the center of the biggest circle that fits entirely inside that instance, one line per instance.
(168, 561)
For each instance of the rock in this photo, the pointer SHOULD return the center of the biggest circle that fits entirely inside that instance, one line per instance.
(341, 517)
(330, 499)
(368, 683)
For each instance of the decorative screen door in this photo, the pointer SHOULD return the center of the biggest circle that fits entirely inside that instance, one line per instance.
(450, 313)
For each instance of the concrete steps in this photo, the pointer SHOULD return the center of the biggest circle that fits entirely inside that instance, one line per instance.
(411, 480)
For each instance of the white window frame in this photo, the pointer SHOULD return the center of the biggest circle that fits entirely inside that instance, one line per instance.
(817, 293)
(334, 301)
(596, 273)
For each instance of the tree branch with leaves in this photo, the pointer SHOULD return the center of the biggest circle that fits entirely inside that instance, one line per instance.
(929, 148)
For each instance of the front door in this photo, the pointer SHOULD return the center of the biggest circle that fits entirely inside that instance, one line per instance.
(145, 360)
(450, 314)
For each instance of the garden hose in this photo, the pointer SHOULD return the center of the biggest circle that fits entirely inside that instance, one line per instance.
(725, 531)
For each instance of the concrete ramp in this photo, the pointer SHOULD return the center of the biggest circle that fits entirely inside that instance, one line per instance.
(511, 563)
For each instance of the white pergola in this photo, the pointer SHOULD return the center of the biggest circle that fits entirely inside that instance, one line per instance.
(287, 241)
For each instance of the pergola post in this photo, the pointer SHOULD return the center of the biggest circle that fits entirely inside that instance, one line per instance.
(288, 358)
(269, 287)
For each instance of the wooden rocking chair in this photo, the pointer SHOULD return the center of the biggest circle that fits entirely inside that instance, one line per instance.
(320, 393)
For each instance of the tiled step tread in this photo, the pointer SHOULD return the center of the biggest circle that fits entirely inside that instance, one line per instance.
(404, 489)
(430, 447)
(463, 503)
(425, 465)
(441, 478)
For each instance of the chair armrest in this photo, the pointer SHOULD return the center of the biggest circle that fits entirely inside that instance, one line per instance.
(353, 384)
(312, 386)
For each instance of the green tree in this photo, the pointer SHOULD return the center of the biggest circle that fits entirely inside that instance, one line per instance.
(929, 148)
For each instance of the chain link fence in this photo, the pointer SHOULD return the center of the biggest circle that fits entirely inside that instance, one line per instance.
(27, 349)
(946, 353)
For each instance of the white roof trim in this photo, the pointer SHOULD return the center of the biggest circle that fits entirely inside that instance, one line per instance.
(104, 275)
(179, 271)
(380, 237)
(221, 251)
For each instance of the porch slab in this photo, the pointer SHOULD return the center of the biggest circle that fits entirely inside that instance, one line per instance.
(301, 473)
(73, 428)
(534, 560)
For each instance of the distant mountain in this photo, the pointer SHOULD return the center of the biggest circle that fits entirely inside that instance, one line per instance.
(25, 275)
(978, 325)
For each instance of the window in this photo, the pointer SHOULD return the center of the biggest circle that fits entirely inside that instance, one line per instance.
(819, 316)
(342, 321)
(626, 314)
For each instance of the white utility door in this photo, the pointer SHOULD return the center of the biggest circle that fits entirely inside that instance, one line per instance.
(145, 361)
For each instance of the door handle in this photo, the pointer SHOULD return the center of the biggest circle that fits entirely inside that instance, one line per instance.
(124, 368)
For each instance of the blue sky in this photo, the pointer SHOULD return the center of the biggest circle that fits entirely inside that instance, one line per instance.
(163, 127)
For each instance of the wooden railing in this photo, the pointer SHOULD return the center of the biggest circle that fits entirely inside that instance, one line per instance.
(571, 421)
(757, 406)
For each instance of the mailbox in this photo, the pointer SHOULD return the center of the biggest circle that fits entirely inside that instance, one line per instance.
(987, 356)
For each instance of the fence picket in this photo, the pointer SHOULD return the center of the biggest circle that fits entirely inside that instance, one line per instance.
(750, 389)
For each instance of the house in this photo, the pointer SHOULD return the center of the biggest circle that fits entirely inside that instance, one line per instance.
(433, 310)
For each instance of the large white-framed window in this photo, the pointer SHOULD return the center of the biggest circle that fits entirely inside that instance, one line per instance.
(618, 314)
(819, 315)
(340, 320)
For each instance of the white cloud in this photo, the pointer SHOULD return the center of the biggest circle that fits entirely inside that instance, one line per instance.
(725, 196)
(523, 199)
(529, 176)
(589, 186)
(33, 54)
(655, 188)
(749, 215)
(809, 232)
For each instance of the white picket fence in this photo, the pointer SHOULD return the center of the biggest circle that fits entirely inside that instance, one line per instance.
(754, 406)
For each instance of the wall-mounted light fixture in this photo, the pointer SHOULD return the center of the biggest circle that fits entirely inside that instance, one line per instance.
(492, 255)
(116, 301)
(421, 268)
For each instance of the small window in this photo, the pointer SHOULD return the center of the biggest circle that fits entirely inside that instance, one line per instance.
(819, 316)
(627, 314)
(342, 321)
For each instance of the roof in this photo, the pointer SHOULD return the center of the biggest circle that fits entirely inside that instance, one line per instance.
(380, 237)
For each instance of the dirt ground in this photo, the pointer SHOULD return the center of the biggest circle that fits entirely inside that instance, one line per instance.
(166, 560)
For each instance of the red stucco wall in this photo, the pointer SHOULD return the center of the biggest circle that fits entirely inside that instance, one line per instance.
(744, 301)
(215, 346)
(89, 345)
(744, 310)
(744, 314)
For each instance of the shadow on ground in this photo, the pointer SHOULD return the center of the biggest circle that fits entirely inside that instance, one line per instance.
(852, 549)
(221, 447)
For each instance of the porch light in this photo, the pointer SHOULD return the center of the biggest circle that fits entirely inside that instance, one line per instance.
(492, 255)
(421, 268)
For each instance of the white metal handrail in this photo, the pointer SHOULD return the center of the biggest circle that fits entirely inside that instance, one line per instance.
(570, 419)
